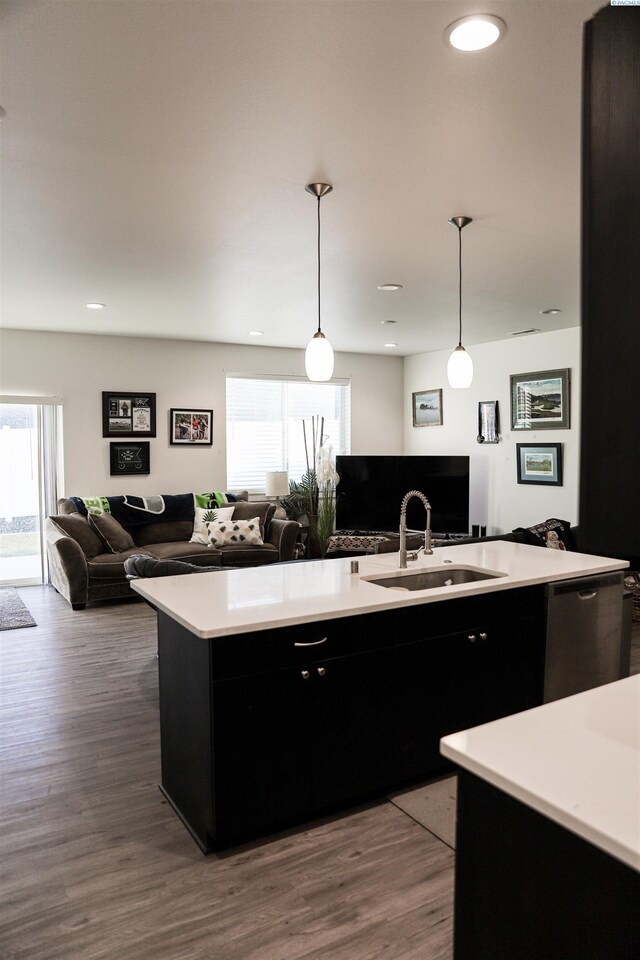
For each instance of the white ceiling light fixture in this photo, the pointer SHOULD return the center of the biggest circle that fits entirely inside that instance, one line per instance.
(460, 365)
(318, 358)
(254, 333)
(389, 286)
(475, 32)
(95, 306)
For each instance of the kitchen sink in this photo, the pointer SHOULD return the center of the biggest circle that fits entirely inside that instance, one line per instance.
(433, 579)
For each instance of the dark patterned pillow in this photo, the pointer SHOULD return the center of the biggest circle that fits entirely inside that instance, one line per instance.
(111, 532)
(555, 534)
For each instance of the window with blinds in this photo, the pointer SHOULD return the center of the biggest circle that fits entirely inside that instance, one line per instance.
(264, 425)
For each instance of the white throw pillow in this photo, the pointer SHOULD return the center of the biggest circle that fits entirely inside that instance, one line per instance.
(203, 518)
(233, 533)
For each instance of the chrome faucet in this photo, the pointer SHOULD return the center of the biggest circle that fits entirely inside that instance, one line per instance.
(403, 529)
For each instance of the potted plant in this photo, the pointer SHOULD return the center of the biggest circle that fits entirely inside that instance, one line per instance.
(312, 498)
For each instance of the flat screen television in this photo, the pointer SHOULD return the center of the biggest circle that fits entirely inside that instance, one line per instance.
(371, 489)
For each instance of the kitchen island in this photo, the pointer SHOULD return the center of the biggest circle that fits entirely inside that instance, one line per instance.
(290, 690)
(548, 830)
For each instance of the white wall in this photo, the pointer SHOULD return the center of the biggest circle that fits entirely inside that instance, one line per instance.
(497, 500)
(181, 373)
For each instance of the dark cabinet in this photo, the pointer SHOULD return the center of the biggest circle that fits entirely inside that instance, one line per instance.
(610, 452)
(292, 722)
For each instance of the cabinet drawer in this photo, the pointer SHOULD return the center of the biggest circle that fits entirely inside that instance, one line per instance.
(259, 652)
(245, 654)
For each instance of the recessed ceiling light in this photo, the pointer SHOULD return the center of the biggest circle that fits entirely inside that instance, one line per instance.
(391, 344)
(254, 333)
(521, 333)
(475, 32)
(390, 286)
(95, 306)
(550, 312)
(384, 322)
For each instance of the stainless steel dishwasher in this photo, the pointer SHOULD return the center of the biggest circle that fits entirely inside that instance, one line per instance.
(585, 635)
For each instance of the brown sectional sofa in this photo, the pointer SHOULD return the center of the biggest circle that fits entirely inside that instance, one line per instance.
(84, 566)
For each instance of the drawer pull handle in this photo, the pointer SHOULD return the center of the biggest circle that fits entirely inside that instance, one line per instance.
(472, 638)
(484, 636)
(305, 674)
(310, 643)
(321, 671)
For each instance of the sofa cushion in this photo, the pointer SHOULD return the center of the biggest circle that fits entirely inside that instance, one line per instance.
(77, 527)
(262, 509)
(67, 506)
(227, 533)
(111, 532)
(173, 530)
(189, 552)
(110, 566)
(552, 533)
(248, 556)
(203, 517)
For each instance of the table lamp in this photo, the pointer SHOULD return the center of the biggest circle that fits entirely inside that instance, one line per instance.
(277, 485)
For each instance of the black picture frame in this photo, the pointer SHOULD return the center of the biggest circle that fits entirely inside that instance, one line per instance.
(129, 459)
(488, 422)
(541, 400)
(190, 427)
(539, 463)
(128, 413)
(427, 408)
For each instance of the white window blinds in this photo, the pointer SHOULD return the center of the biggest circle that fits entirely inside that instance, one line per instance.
(264, 425)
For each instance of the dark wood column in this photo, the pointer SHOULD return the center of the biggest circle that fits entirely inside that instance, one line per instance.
(610, 444)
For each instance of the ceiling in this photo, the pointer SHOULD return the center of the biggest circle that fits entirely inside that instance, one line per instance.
(155, 154)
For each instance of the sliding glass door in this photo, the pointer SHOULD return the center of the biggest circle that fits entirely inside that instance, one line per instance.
(29, 476)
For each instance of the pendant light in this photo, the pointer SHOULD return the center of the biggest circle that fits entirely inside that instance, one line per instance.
(460, 365)
(318, 358)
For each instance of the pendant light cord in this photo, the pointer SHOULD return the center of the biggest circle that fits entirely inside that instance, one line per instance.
(319, 330)
(459, 286)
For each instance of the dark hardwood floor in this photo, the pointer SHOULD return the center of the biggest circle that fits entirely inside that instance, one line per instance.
(96, 866)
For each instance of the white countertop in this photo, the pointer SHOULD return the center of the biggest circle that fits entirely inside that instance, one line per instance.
(237, 601)
(576, 761)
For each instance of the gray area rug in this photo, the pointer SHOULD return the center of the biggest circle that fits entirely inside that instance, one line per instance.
(13, 613)
(433, 806)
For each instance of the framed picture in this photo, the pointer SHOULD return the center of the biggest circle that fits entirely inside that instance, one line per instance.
(128, 414)
(190, 427)
(538, 463)
(540, 401)
(129, 458)
(488, 426)
(427, 408)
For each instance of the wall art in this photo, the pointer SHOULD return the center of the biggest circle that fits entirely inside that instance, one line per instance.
(190, 427)
(488, 425)
(128, 414)
(427, 408)
(540, 401)
(538, 463)
(130, 459)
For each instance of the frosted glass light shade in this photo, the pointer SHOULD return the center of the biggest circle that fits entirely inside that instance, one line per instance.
(277, 483)
(460, 368)
(318, 358)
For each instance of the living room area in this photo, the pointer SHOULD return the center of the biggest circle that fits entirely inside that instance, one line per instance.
(160, 247)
